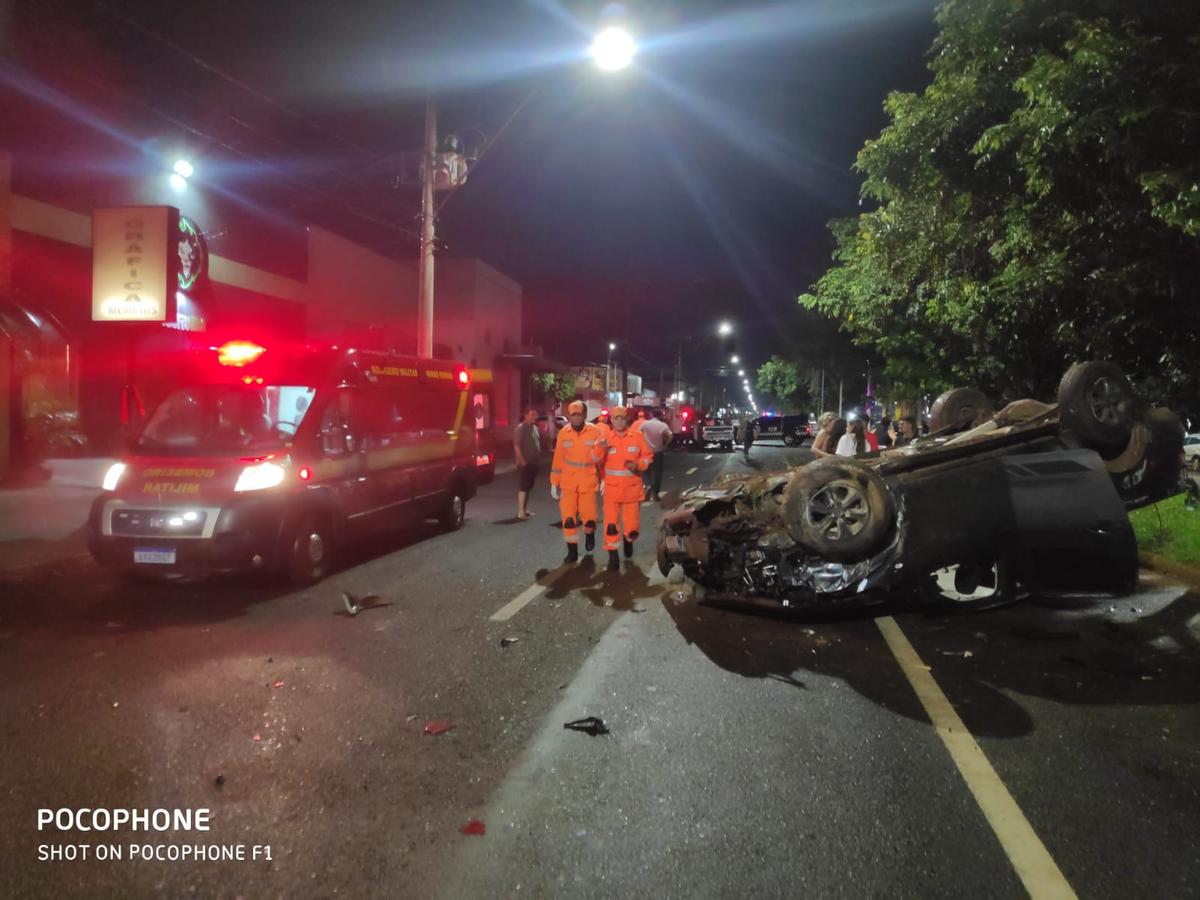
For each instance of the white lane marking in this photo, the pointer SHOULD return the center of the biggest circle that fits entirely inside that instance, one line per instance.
(1028, 855)
(527, 596)
(691, 471)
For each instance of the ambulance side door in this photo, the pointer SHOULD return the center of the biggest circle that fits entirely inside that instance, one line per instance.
(342, 467)
(390, 443)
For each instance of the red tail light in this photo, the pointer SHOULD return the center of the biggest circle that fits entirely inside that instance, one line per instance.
(304, 473)
(463, 377)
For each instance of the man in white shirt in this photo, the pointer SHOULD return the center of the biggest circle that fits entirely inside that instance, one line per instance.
(658, 438)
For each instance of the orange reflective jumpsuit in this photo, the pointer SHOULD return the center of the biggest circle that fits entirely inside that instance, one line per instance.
(622, 487)
(574, 471)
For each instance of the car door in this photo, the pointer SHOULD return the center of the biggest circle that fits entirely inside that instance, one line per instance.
(389, 447)
(341, 469)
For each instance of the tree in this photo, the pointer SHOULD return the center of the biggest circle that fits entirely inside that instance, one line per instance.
(1037, 204)
(554, 387)
(786, 382)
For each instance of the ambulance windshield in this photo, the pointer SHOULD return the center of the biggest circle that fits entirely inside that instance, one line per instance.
(217, 419)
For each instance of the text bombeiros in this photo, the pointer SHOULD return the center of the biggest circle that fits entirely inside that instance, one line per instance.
(143, 821)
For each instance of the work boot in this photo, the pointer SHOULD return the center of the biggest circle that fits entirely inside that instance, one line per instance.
(572, 553)
(589, 541)
(614, 561)
(628, 548)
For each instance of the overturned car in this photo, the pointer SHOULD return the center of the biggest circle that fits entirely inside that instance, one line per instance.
(1034, 497)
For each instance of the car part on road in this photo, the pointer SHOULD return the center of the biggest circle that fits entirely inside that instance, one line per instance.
(474, 827)
(592, 725)
(436, 727)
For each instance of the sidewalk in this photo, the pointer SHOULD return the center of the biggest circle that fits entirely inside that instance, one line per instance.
(42, 519)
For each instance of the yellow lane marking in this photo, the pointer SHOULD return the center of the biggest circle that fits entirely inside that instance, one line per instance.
(1028, 855)
(527, 596)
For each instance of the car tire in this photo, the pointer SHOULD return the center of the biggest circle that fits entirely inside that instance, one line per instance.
(454, 513)
(309, 550)
(1095, 402)
(958, 406)
(1133, 453)
(838, 510)
(791, 440)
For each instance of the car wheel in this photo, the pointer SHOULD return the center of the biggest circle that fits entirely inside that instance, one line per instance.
(972, 587)
(454, 513)
(791, 440)
(959, 406)
(1095, 401)
(839, 511)
(1133, 454)
(310, 551)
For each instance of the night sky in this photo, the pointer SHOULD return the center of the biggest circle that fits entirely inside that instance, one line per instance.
(640, 207)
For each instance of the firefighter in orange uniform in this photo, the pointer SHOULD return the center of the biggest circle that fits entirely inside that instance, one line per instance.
(627, 458)
(573, 478)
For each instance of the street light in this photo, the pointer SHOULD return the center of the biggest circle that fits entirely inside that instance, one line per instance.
(734, 359)
(608, 371)
(741, 372)
(724, 329)
(613, 49)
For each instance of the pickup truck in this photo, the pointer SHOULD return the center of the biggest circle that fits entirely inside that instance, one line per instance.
(716, 434)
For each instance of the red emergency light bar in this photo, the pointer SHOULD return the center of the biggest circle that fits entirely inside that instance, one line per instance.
(463, 377)
(239, 353)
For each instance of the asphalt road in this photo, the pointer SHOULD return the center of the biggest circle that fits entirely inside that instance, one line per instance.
(747, 755)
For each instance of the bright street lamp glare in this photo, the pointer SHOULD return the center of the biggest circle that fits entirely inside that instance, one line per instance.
(734, 360)
(741, 372)
(724, 328)
(612, 346)
(613, 49)
(178, 183)
(183, 168)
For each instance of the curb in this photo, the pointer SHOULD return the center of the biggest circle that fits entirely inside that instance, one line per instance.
(1189, 574)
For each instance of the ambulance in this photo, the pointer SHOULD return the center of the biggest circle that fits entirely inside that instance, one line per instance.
(276, 460)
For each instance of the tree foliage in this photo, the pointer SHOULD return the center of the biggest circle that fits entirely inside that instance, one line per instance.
(786, 382)
(1037, 204)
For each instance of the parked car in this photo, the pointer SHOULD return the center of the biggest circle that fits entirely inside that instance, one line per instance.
(792, 430)
(1035, 496)
(276, 461)
(713, 431)
(1191, 451)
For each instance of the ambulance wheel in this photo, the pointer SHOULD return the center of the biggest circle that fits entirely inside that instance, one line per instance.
(310, 551)
(454, 513)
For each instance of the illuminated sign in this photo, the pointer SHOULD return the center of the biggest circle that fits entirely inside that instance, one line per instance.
(130, 267)
(193, 256)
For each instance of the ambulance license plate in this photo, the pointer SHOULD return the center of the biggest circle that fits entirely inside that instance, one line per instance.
(160, 556)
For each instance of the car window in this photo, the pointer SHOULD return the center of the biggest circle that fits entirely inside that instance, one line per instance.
(336, 430)
(385, 418)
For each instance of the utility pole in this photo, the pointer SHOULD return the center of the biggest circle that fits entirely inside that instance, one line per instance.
(425, 269)
(841, 387)
(821, 411)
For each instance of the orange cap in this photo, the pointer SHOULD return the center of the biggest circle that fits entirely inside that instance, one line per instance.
(576, 406)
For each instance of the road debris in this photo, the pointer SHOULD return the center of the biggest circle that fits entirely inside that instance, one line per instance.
(474, 827)
(437, 726)
(257, 738)
(411, 718)
(115, 704)
(219, 781)
(355, 605)
(592, 725)
(638, 609)
(277, 684)
(507, 641)
(965, 654)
